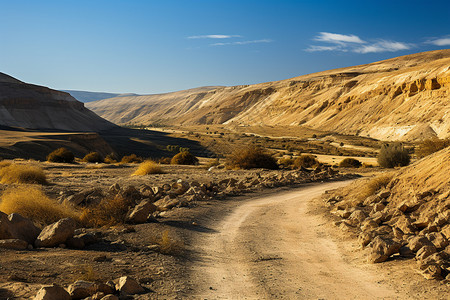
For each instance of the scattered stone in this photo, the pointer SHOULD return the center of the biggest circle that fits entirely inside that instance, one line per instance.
(14, 244)
(23, 228)
(56, 233)
(384, 194)
(424, 252)
(129, 286)
(81, 289)
(417, 242)
(53, 292)
(110, 297)
(140, 212)
(438, 240)
(382, 249)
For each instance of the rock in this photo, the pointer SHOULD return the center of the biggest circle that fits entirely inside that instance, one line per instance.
(166, 203)
(5, 227)
(15, 244)
(368, 225)
(378, 207)
(23, 228)
(446, 231)
(438, 240)
(357, 217)
(417, 242)
(406, 252)
(140, 212)
(430, 270)
(53, 292)
(404, 224)
(129, 286)
(384, 194)
(364, 239)
(104, 288)
(382, 249)
(75, 200)
(110, 297)
(96, 296)
(81, 289)
(75, 243)
(372, 200)
(56, 233)
(88, 238)
(180, 187)
(424, 252)
(344, 213)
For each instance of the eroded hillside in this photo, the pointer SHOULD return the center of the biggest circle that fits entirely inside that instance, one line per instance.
(404, 98)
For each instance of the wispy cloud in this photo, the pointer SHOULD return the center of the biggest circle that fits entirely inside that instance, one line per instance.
(338, 38)
(444, 41)
(353, 43)
(214, 36)
(243, 42)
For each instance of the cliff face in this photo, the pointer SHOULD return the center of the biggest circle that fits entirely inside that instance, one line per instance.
(36, 107)
(404, 98)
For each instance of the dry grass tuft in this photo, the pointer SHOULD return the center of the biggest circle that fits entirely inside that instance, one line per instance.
(184, 158)
(430, 146)
(170, 245)
(61, 155)
(251, 157)
(131, 159)
(373, 185)
(32, 203)
(93, 157)
(108, 212)
(306, 161)
(148, 167)
(87, 272)
(14, 173)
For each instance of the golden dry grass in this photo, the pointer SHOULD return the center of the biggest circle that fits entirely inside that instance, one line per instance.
(148, 167)
(169, 244)
(108, 212)
(373, 185)
(32, 203)
(14, 173)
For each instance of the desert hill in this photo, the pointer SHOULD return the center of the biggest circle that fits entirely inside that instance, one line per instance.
(404, 98)
(37, 107)
(85, 96)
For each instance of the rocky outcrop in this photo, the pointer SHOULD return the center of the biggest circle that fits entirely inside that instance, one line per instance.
(404, 98)
(36, 107)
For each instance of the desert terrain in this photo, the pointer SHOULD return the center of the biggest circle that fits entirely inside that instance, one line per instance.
(295, 189)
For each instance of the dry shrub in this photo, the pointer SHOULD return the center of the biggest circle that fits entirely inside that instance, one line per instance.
(184, 158)
(32, 203)
(350, 163)
(4, 164)
(14, 173)
(131, 159)
(87, 272)
(373, 185)
(393, 155)
(251, 157)
(213, 163)
(108, 212)
(286, 162)
(165, 160)
(93, 157)
(430, 146)
(169, 244)
(61, 155)
(306, 161)
(148, 167)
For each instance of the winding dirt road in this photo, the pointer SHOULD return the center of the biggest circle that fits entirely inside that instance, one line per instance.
(278, 247)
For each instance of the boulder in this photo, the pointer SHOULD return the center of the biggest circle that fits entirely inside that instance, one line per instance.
(81, 289)
(357, 217)
(378, 207)
(5, 227)
(446, 231)
(430, 270)
(88, 238)
(438, 240)
(417, 242)
(129, 286)
(140, 212)
(53, 292)
(404, 224)
(15, 244)
(382, 249)
(56, 233)
(96, 296)
(424, 252)
(166, 203)
(23, 228)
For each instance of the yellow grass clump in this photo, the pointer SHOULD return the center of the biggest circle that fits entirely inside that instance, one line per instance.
(108, 212)
(14, 173)
(375, 184)
(32, 203)
(148, 167)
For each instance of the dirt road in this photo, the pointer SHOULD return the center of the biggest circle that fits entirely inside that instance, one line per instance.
(278, 247)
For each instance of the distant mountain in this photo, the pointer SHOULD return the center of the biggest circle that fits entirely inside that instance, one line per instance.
(37, 107)
(84, 96)
(403, 98)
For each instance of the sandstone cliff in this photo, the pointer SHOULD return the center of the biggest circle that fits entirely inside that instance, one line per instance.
(36, 107)
(404, 98)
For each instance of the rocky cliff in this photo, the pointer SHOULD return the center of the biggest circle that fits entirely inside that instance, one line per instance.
(37, 107)
(404, 98)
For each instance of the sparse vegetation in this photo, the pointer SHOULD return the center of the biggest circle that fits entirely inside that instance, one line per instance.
(350, 163)
(93, 157)
(108, 212)
(87, 272)
(430, 146)
(373, 185)
(286, 162)
(251, 157)
(165, 160)
(213, 163)
(131, 159)
(148, 167)
(15, 173)
(306, 161)
(61, 155)
(184, 158)
(170, 245)
(110, 159)
(31, 202)
(393, 155)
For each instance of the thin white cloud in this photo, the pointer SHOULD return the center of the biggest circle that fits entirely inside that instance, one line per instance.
(353, 43)
(444, 41)
(243, 42)
(382, 46)
(338, 38)
(213, 36)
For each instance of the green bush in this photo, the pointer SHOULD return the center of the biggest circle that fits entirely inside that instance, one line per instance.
(61, 155)
(393, 155)
(430, 146)
(350, 163)
(93, 157)
(251, 157)
(184, 158)
(305, 161)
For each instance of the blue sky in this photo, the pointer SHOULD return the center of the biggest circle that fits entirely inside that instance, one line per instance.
(161, 46)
